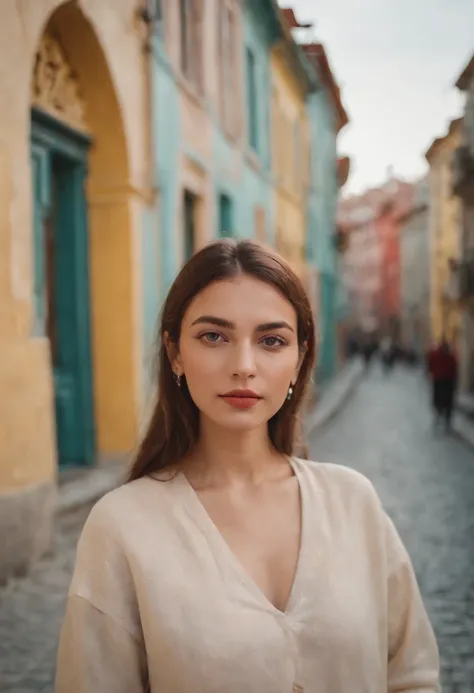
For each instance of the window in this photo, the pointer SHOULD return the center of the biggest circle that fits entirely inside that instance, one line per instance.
(190, 15)
(252, 110)
(189, 223)
(228, 67)
(226, 225)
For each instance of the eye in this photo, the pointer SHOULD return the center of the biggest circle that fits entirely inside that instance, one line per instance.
(273, 342)
(211, 337)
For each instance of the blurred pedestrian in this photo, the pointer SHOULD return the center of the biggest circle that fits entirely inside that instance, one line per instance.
(228, 563)
(443, 371)
(387, 353)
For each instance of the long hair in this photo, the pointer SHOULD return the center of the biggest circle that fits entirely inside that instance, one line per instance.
(173, 429)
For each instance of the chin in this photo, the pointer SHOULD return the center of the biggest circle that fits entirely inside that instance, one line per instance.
(239, 420)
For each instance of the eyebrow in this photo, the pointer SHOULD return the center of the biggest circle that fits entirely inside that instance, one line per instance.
(221, 322)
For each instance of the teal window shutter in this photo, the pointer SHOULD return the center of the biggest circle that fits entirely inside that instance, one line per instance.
(252, 105)
(226, 223)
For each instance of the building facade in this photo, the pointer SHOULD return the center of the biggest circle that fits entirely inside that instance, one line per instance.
(463, 272)
(415, 272)
(444, 235)
(74, 185)
(327, 117)
(395, 203)
(362, 262)
(291, 84)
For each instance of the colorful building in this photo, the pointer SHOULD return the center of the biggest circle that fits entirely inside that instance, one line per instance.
(396, 202)
(327, 117)
(362, 262)
(444, 233)
(210, 136)
(292, 81)
(463, 271)
(415, 272)
(73, 185)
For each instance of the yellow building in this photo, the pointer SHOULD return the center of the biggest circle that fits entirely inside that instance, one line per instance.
(291, 150)
(445, 234)
(73, 182)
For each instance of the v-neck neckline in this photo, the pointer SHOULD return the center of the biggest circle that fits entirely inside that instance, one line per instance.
(196, 508)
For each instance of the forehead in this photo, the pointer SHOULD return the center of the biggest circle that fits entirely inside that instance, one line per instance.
(240, 299)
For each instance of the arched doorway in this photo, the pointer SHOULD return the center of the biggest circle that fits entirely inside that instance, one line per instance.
(82, 240)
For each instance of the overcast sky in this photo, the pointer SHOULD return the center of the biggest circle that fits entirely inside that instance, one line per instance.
(397, 62)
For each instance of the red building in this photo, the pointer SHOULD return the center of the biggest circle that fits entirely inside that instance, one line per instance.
(398, 200)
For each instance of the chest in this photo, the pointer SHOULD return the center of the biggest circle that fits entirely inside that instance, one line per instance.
(205, 591)
(262, 533)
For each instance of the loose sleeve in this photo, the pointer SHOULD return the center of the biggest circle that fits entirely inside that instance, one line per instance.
(101, 647)
(413, 659)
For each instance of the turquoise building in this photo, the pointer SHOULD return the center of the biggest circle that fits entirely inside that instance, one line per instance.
(327, 117)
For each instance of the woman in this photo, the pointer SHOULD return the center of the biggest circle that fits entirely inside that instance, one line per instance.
(226, 564)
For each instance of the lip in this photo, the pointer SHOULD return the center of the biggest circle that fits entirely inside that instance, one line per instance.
(241, 399)
(242, 393)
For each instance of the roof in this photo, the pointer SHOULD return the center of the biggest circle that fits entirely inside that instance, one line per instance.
(290, 18)
(292, 52)
(358, 210)
(466, 76)
(317, 54)
(343, 170)
(454, 125)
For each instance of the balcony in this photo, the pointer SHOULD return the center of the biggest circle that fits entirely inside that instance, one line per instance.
(460, 286)
(463, 173)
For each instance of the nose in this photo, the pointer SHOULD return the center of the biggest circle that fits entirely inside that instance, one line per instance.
(244, 365)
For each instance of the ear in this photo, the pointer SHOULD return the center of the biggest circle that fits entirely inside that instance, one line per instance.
(172, 350)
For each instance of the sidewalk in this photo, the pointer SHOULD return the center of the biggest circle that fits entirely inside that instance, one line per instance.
(84, 487)
(335, 396)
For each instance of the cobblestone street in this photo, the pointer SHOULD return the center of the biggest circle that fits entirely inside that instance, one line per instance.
(31, 611)
(425, 481)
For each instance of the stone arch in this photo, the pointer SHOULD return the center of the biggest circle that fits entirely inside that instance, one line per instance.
(110, 209)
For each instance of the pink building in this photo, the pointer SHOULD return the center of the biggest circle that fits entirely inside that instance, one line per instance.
(363, 258)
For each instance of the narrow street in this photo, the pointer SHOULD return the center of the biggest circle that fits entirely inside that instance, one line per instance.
(426, 483)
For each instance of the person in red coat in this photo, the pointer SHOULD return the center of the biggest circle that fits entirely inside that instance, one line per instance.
(443, 371)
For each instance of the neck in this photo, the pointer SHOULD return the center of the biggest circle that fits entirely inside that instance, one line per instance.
(222, 457)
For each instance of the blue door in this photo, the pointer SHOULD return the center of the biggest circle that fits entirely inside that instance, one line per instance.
(61, 283)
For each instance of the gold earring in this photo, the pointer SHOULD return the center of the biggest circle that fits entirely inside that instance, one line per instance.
(177, 379)
(290, 392)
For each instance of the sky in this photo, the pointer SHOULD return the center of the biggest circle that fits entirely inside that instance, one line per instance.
(396, 62)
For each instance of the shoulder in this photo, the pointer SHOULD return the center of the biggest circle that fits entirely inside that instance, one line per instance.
(338, 478)
(123, 510)
(343, 491)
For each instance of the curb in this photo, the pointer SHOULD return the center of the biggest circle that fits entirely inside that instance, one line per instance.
(341, 392)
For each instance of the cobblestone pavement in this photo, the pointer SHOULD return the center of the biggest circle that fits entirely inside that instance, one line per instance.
(426, 482)
(31, 611)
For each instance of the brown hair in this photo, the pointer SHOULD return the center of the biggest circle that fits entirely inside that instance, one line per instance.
(174, 426)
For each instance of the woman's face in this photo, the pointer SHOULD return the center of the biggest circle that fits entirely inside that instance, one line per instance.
(239, 352)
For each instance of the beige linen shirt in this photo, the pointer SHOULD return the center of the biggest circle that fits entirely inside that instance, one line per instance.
(158, 598)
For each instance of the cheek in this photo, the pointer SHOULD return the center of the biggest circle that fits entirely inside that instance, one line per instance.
(200, 362)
